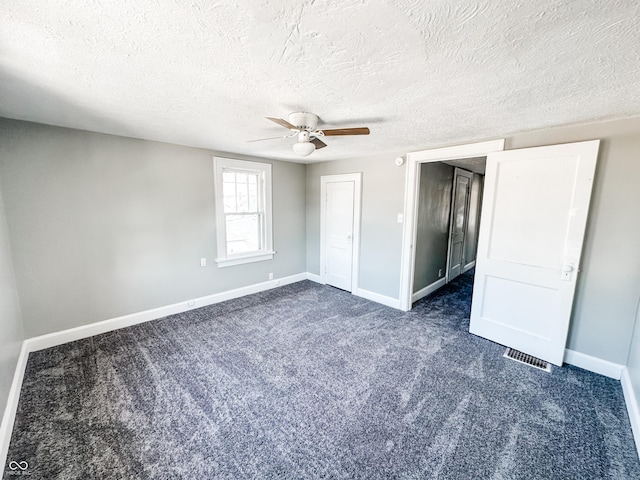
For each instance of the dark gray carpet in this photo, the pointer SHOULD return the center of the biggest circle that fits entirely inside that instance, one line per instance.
(307, 381)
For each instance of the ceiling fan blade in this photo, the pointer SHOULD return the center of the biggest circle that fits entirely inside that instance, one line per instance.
(318, 143)
(271, 138)
(346, 131)
(282, 122)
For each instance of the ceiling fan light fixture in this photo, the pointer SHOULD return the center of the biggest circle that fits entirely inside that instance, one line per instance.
(304, 149)
(305, 126)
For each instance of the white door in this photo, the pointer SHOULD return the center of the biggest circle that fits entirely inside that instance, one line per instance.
(458, 222)
(534, 214)
(339, 234)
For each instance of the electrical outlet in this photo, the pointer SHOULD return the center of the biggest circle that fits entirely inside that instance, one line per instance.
(203, 262)
(439, 273)
(271, 276)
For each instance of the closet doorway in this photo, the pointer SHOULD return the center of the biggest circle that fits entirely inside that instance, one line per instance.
(447, 220)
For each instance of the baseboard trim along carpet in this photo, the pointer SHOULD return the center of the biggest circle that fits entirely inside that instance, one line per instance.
(593, 364)
(428, 289)
(581, 360)
(373, 296)
(633, 409)
(84, 331)
(376, 297)
(58, 338)
(408, 412)
(469, 266)
(6, 427)
(65, 336)
(314, 278)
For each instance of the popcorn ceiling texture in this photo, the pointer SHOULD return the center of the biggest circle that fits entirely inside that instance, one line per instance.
(418, 73)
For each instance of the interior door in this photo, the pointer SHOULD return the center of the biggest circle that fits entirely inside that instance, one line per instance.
(534, 214)
(339, 226)
(458, 224)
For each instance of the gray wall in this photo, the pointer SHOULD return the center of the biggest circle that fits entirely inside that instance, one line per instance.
(11, 334)
(102, 226)
(381, 234)
(607, 290)
(432, 227)
(473, 224)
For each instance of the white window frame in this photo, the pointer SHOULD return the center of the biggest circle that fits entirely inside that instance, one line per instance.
(266, 252)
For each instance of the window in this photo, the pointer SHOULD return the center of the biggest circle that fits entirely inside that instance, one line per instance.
(243, 210)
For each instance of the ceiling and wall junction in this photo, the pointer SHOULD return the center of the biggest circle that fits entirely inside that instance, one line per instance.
(419, 74)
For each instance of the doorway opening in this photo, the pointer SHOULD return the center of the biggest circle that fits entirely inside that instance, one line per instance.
(447, 221)
(457, 156)
(529, 244)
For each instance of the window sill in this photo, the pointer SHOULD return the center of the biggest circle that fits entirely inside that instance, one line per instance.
(239, 260)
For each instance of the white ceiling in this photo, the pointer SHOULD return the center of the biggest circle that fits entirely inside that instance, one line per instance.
(418, 73)
(476, 164)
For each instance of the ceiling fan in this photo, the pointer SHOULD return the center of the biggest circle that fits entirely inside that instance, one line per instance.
(304, 125)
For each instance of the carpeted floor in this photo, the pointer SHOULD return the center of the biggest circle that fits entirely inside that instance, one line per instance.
(307, 381)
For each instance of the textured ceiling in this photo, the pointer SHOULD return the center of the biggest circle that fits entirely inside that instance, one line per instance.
(418, 73)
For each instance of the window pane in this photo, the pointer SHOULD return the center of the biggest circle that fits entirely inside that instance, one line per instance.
(243, 234)
(240, 192)
(229, 195)
(253, 197)
(243, 196)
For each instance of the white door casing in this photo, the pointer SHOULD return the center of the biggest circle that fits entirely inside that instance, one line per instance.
(458, 222)
(412, 181)
(340, 230)
(534, 214)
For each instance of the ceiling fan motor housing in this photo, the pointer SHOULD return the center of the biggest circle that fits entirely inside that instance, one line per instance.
(304, 121)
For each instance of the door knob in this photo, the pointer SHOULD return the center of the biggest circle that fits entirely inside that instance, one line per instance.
(567, 268)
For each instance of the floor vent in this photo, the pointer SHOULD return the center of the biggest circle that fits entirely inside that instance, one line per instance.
(527, 359)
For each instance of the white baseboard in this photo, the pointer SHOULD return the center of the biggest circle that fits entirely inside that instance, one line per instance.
(359, 292)
(633, 409)
(376, 297)
(468, 266)
(6, 428)
(578, 359)
(314, 278)
(593, 364)
(84, 331)
(428, 289)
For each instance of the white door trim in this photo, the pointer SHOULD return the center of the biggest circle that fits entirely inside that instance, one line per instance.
(412, 179)
(465, 173)
(357, 206)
